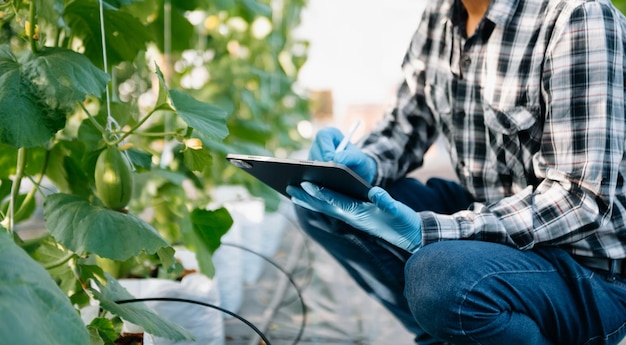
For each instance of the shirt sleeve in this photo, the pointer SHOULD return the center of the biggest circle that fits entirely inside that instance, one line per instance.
(581, 148)
(399, 141)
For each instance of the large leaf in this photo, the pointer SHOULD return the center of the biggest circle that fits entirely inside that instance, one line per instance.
(33, 309)
(23, 121)
(210, 226)
(203, 117)
(136, 313)
(206, 119)
(64, 77)
(208, 229)
(197, 160)
(125, 35)
(83, 227)
(47, 252)
(36, 95)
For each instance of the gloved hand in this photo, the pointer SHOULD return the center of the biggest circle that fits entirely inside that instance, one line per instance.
(323, 149)
(384, 217)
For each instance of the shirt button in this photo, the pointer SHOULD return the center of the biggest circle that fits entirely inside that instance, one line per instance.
(466, 61)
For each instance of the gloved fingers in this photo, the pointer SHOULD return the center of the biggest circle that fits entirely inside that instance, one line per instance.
(383, 200)
(358, 161)
(325, 143)
(317, 154)
(304, 204)
(329, 196)
(351, 157)
(303, 198)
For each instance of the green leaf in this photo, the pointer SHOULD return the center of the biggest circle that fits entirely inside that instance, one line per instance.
(86, 228)
(105, 329)
(166, 256)
(210, 226)
(90, 135)
(5, 187)
(136, 313)
(8, 61)
(79, 181)
(204, 257)
(67, 168)
(125, 35)
(52, 256)
(96, 338)
(140, 159)
(8, 160)
(35, 96)
(205, 237)
(28, 210)
(205, 118)
(197, 160)
(30, 299)
(24, 122)
(64, 77)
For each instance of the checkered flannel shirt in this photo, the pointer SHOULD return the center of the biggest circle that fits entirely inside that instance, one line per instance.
(531, 107)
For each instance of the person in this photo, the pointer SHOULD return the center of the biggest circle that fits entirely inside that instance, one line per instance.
(529, 246)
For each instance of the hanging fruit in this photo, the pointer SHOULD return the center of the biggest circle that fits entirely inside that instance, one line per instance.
(114, 179)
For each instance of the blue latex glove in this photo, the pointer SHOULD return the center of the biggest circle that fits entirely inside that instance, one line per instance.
(384, 217)
(323, 149)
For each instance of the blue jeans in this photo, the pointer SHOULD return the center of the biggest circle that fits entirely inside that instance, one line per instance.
(471, 292)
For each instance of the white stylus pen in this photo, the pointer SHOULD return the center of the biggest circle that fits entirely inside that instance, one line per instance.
(342, 145)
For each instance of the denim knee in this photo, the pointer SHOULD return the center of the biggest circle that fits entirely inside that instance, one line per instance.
(432, 276)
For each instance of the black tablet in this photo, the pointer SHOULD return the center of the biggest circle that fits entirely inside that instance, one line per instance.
(278, 173)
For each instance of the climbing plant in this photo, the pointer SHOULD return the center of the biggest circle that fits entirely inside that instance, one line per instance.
(114, 119)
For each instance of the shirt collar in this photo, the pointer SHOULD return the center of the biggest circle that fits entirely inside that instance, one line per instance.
(500, 12)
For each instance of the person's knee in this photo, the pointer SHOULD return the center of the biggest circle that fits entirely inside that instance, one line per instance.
(449, 283)
(433, 276)
(441, 277)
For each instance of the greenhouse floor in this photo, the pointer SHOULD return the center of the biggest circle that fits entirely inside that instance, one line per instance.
(337, 311)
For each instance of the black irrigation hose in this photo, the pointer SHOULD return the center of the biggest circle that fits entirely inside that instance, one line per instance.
(309, 256)
(308, 271)
(209, 305)
(288, 275)
(235, 315)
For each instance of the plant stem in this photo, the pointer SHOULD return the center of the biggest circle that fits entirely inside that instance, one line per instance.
(31, 34)
(132, 130)
(60, 261)
(94, 122)
(155, 134)
(37, 183)
(8, 222)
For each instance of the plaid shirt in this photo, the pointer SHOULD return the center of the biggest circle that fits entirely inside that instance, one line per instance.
(531, 107)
